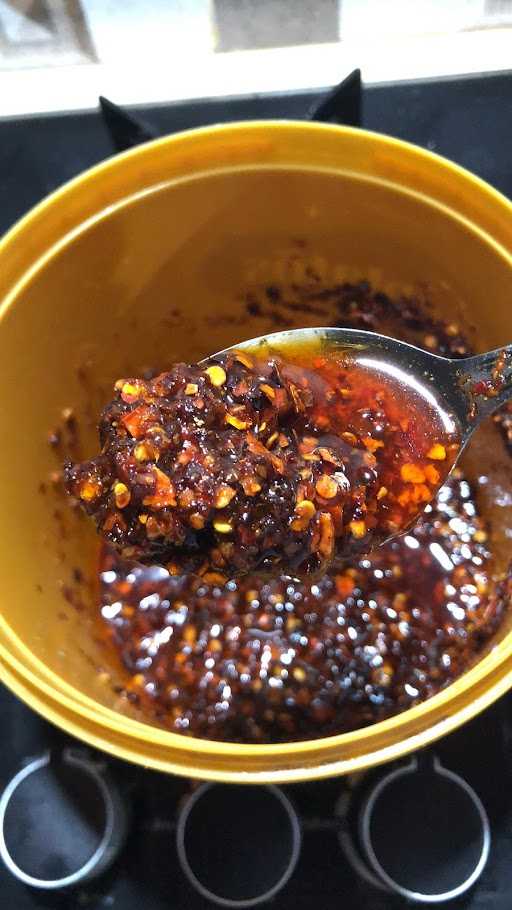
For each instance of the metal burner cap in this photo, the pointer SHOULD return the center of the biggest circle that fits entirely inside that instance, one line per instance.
(238, 846)
(425, 832)
(62, 822)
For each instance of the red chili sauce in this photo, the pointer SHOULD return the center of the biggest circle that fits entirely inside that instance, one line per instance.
(245, 464)
(268, 659)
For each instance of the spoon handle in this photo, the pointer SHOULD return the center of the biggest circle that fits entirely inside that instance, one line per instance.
(487, 381)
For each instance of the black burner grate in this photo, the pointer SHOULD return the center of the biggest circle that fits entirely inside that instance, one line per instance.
(342, 105)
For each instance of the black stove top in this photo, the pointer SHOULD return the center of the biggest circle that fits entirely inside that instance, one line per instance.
(470, 121)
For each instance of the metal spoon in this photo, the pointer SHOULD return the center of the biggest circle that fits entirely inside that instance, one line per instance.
(463, 391)
(434, 405)
(332, 514)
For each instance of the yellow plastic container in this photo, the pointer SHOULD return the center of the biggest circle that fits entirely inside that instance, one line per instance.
(144, 260)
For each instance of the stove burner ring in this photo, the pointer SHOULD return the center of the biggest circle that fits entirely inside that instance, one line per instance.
(62, 822)
(425, 832)
(216, 838)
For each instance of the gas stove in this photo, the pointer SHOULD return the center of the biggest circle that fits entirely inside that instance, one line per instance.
(81, 830)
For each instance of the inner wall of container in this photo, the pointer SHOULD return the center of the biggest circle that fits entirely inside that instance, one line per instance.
(164, 277)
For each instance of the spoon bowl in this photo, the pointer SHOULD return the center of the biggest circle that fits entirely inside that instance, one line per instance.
(463, 391)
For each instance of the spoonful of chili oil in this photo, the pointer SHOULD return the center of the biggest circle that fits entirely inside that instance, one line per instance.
(289, 453)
